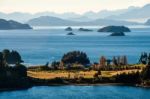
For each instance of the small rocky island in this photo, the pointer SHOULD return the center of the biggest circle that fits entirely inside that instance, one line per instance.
(70, 33)
(83, 29)
(115, 30)
(10, 25)
(68, 29)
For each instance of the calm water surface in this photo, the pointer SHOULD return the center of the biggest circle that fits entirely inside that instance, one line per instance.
(47, 44)
(79, 92)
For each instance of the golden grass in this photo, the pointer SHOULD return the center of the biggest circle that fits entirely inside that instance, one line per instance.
(73, 74)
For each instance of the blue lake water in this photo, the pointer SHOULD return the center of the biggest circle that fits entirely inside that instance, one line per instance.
(79, 92)
(47, 44)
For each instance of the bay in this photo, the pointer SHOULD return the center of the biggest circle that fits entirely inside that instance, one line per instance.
(46, 44)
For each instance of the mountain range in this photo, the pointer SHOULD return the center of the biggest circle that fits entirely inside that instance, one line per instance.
(136, 14)
(54, 21)
(139, 14)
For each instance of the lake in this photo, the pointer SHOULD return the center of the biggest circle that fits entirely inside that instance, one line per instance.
(78, 92)
(46, 44)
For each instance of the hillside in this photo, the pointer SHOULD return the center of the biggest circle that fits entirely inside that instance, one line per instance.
(8, 25)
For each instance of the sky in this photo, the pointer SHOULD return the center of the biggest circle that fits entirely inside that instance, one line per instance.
(62, 6)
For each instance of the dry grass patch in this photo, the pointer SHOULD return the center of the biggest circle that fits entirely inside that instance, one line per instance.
(74, 74)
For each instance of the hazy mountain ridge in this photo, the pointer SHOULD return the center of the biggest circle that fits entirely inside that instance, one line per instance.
(139, 14)
(49, 21)
(107, 13)
(54, 21)
(8, 25)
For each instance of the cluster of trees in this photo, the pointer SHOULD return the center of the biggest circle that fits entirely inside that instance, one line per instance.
(135, 77)
(105, 63)
(144, 58)
(75, 57)
(55, 65)
(120, 60)
(117, 61)
(71, 60)
(9, 57)
(12, 76)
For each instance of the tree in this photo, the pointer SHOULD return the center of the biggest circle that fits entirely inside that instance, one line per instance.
(21, 70)
(1, 59)
(146, 73)
(5, 52)
(143, 58)
(10, 57)
(75, 57)
(14, 58)
(103, 61)
(149, 59)
(55, 65)
(114, 60)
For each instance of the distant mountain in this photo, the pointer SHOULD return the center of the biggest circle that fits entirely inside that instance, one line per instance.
(54, 21)
(49, 21)
(53, 14)
(81, 19)
(137, 14)
(147, 22)
(24, 17)
(110, 22)
(8, 25)
(107, 13)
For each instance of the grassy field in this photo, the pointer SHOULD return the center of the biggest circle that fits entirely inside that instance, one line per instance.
(73, 74)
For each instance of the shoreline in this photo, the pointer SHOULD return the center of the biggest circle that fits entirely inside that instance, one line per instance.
(74, 84)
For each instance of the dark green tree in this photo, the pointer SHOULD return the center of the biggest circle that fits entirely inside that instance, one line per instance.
(75, 57)
(146, 73)
(21, 70)
(14, 58)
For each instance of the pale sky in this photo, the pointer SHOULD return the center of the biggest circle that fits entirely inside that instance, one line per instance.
(61, 6)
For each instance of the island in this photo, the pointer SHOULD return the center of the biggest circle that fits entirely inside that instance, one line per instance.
(86, 30)
(68, 29)
(70, 33)
(115, 30)
(10, 25)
